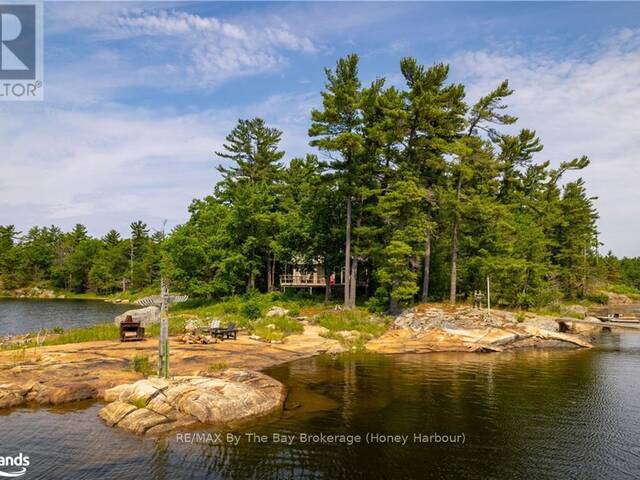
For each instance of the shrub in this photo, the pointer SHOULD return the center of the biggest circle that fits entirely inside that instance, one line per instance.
(251, 310)
(230, 308)
(140, 364)
(58, 330)
(600, 298)
(217, 366)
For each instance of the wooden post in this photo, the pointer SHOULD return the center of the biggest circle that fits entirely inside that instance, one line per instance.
(163, 302)
(163, 347)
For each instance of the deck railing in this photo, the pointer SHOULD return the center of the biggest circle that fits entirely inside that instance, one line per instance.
(308, 280)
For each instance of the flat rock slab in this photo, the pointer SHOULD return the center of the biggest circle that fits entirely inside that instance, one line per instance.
(70, 372)
(13, 395)
(491, 339)
(156, 405)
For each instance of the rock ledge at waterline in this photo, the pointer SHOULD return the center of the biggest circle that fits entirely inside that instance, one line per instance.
(463, 329)
(155, 405)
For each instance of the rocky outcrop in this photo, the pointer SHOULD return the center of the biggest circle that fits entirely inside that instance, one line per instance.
(490, 339)
(13, 395)
(579, 310)
(430, 328)
(73, 371)
(34, 292)
(277, 312)
(427, 317)
(156, 405)
(580, 328)
(146, 316)
(618, 299)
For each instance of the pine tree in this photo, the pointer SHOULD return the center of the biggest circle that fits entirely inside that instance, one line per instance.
(337, 129)
(252, 184)
(434, 117)
(483, 117)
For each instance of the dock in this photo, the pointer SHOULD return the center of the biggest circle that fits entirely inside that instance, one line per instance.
(600, 323)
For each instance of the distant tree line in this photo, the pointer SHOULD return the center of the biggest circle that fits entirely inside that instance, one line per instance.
(416, 194)
(76, 262)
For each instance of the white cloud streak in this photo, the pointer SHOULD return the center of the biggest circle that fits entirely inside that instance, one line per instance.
(185, 48)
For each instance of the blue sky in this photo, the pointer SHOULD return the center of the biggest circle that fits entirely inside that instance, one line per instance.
(139, 95)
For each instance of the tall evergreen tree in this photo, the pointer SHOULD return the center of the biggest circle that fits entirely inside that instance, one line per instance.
(253, 185)
(337, 130)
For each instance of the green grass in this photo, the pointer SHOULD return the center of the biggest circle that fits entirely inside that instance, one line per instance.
(104, 331)
(140, 363)
(284, 327)
(176, 326)
(556, 311)
(244, 310)
(217, 366)
(622, 289)
(359, 320)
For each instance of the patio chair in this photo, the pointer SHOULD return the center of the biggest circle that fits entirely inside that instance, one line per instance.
(213, 328)
(230, 332)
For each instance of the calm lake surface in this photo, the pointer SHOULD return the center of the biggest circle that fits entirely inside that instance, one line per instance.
(554, 414)
(31, 315)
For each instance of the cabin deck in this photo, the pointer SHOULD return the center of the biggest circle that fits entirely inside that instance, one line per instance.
(306, 280)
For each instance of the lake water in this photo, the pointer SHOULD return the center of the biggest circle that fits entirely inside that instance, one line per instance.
(31, 315)
(536, 414)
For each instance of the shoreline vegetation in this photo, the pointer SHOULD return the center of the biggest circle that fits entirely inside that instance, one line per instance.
(248, 313)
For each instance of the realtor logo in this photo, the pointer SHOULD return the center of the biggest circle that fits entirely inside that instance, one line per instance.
(18, 42)
(13, 467)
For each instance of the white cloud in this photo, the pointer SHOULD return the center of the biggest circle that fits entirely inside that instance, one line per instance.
(172, 47)
(579, 106)
(110, 167)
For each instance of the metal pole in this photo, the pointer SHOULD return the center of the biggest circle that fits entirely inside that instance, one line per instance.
(488, 296)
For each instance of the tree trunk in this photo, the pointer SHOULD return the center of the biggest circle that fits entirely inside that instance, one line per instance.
(131, 262)
(269, 274)
(347, 257)
(454, 263)
(327, 285)
(354, 282)
(393, 306)
(427, 267)
(584, 272)
(354, 264)
(273, 273)
(454, 245)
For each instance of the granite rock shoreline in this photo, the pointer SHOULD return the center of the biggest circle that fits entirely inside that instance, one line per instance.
(102, 370)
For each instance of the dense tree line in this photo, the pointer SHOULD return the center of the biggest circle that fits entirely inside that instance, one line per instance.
(415, 193)
(76, 262)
